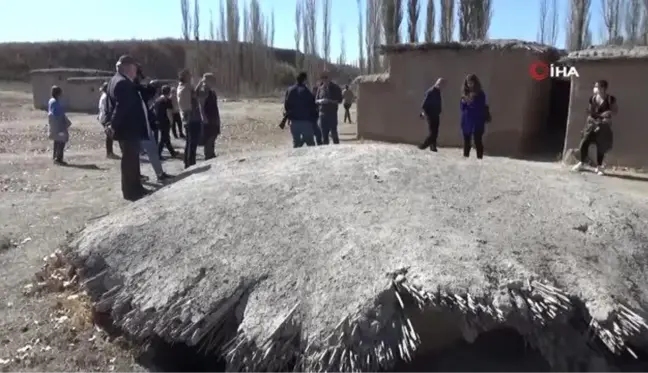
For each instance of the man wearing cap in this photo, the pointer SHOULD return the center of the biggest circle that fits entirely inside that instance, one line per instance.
(128, 125)
(329, 96)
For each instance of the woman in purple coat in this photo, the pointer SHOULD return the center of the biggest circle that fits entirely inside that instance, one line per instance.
(474, 115)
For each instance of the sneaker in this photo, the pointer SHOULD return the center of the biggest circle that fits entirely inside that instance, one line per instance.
(578, 167)
(433, 148)
(600, 171)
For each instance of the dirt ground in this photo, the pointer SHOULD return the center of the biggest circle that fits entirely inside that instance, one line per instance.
(40, 203)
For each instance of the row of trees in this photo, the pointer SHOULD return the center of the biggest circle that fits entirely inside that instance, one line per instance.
(246, 34)
(624, 22)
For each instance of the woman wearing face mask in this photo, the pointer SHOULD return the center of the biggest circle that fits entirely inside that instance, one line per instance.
(598, 130)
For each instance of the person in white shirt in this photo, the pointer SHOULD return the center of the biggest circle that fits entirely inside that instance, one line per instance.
(103, 111)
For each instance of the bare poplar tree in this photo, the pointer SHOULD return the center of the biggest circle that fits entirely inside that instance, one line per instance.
(212, 26)
(430, 15)
(222, 20)
(247, 35)
(298, 32)
(632, 18)
(311, 17)
(233, 65)
(577, 23)
(392, 17)
(644, 24)
(361, 58)
(542, 22)
(197, 60)
(446, 30)
(373, 35)
(611, 20)
(326, 24)
(196, 20)
(342, 57)
(552, 30)
(186, 19)
(474, 19)
(413, 11)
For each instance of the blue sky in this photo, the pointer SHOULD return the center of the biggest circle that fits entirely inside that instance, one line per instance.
(38, 20)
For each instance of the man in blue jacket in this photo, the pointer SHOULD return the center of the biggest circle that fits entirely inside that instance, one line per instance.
(431, 111)
(300, 109)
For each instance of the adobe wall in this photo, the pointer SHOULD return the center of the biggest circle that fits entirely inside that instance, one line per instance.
(518, 104)
(83, 94)
(626, 83)
(373, 114)
(43, 80)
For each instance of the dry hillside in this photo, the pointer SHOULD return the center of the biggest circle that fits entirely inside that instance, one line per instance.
(160, 58)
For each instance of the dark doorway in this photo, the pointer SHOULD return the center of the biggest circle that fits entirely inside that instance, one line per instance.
(552, 134)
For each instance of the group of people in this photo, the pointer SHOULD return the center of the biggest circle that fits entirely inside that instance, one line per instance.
(475, 114)
(313, 114)
(141, 115)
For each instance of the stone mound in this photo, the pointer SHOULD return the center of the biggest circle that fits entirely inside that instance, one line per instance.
(317, 259)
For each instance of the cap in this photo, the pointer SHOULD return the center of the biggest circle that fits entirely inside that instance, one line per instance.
(126, 60)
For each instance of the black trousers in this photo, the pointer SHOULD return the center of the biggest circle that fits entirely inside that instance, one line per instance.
(589, 139)
(156, 135)
(433, 132)
(347, 113)
(165, 141)
(329, 128)
(477, 137)
(193, 130)
(57, 150)
(109, 145)
(176, 126)
(131, 182)
(210, 147)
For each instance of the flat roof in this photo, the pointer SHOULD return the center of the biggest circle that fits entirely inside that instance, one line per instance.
(608, 53)
(490, 44)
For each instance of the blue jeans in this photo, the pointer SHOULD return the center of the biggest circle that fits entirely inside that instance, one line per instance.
(302, 132)
(151, 149)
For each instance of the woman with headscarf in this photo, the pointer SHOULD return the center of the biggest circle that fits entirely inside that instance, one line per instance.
(598, 130)
(474, 115)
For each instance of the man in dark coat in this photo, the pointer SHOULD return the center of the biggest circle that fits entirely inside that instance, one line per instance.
(128, 125)
(210, 114)
(431, 111)
(329, 97)
(300, 108)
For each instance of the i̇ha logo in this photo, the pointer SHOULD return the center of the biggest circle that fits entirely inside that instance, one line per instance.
(541, 70)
